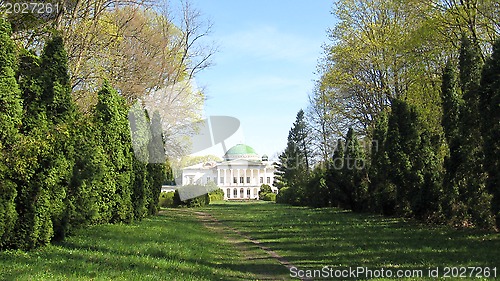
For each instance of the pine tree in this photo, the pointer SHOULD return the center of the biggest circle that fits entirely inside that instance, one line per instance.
(293, 169)
(489, 106)
(10, 121)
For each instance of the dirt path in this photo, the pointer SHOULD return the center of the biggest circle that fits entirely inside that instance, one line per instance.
(242, 242)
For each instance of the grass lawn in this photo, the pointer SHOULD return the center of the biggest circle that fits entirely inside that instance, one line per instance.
(172, 246)
(313, 238)
(187, 244)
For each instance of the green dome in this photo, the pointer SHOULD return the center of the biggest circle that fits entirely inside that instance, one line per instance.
(241, 151)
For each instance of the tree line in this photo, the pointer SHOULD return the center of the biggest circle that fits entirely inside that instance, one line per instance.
(404, 119)
(61, 169)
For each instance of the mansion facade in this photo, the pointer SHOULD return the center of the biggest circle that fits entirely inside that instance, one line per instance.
(239, 175)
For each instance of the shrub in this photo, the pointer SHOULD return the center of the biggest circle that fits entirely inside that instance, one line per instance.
(216, 195)
(166, 199)
(265, 188)
(269, 197)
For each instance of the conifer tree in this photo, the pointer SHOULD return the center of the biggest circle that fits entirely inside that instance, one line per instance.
(111, 120)
(352, 172)
(158, 163)
(471, 176)
(141, 137)
(489, 107)
(453, 104)
(10, 121)
(293, 169)
(48, 149)
(334, 177)
(381, 191)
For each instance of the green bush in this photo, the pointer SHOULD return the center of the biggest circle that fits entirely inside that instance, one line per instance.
(167, 199)
(269, 197)
(216, 195)
(265, 188)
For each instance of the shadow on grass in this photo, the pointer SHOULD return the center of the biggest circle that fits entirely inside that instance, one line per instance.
(168, 247)
(312, 238)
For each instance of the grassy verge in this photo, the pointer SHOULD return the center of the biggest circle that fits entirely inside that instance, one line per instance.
(313, 238)
(172, 246)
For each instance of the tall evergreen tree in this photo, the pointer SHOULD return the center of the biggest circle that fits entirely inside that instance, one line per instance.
(352, 173)
(471, 176)
(334, 177)
(61, 113)
(48, 149)
(453, 104)
(157, 167)
(10, 121)
(489, 107)
(141, 138)
(381, 191)
(293, 169)
(111, 120)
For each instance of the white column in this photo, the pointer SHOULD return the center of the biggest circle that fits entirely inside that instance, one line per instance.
(251, 177)
(238, 179)
(218, 177)
(264, 180)
(258, 177)
(225, 180)
(245, 177)
(232, 175)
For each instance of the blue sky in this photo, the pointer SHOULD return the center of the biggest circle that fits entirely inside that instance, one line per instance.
(265, 67)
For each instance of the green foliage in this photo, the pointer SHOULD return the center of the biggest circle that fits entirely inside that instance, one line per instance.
(166, 199)
(10, 120)
(111, 120)
(265, 188)
(266, 193)
(216, 195)
(489, 107)
(269, 197)
(61, 169)
(292, 171)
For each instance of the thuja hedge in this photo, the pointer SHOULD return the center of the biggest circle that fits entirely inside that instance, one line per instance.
(61, 169)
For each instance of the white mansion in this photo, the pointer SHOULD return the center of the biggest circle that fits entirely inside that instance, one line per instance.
(239, 175)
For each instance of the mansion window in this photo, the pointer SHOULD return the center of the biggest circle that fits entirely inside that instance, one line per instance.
(268, 180)
(248, 193)
(221, 180)
(228, 192)
(208, 179)
(261, 179)
(235, 193)
(235, 180)
(248, 179)
(241, 180)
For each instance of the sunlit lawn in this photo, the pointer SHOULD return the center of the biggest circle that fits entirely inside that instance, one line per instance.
(173, 246)
(313, 238)
(177, 246)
